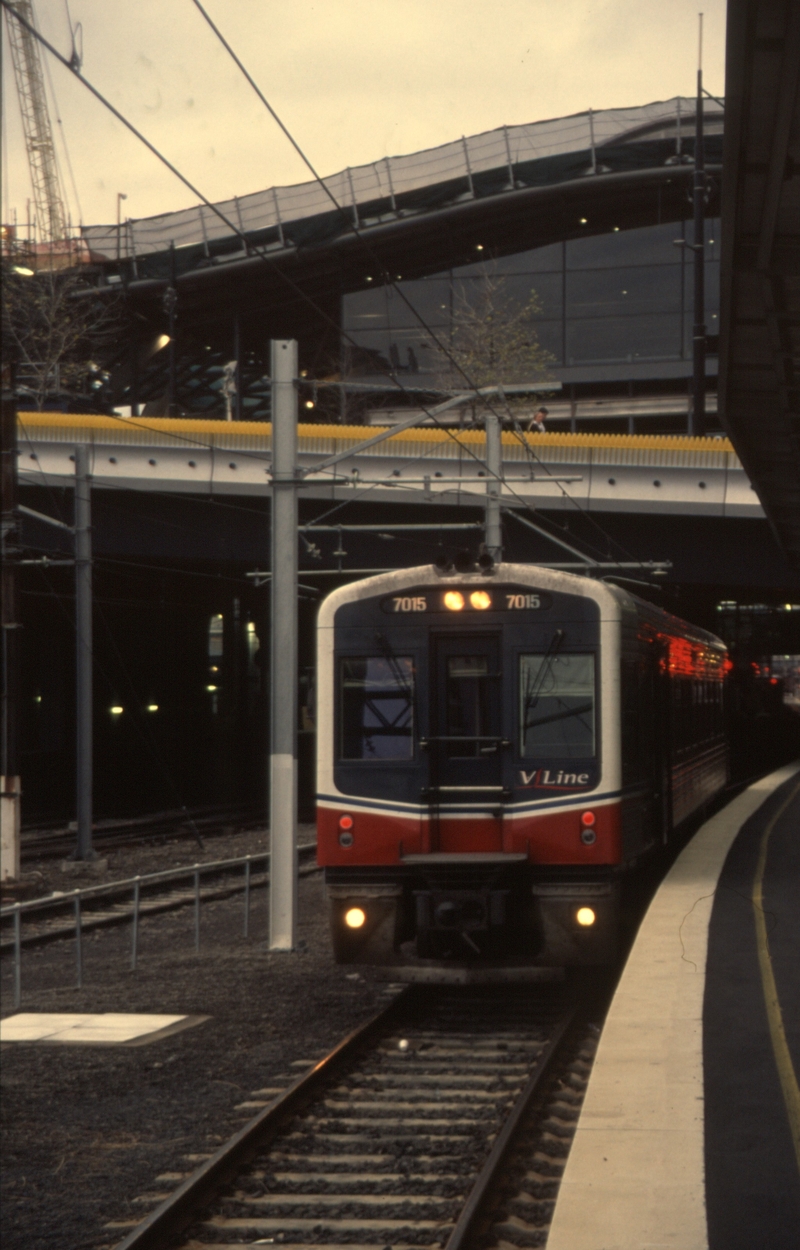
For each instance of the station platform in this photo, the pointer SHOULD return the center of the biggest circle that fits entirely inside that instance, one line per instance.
(689, 1136)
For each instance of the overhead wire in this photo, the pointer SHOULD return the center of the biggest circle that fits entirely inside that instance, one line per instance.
(353, 228)
(262, 254)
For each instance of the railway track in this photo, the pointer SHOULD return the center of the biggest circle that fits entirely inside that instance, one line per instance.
(397, 1138)
(49, 840)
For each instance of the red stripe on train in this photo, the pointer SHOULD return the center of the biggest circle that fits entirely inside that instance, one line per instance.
(546, 838)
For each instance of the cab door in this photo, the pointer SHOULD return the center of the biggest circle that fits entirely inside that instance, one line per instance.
(466, 744)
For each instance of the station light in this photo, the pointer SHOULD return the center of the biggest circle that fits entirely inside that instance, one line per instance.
(583, 221)
(585, 917)
(355, 918)
(309, 403)
(453, 600)
(23, 271)
(211, 688)
(116, 710)
(152, 707)
(481, 599)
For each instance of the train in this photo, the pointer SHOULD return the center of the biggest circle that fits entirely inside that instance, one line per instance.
(500, 746)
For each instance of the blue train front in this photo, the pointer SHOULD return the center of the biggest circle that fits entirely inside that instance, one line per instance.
(495, 748)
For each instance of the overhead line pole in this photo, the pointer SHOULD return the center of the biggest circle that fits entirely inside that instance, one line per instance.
(698, 425)
(283, 651)
(83, 654)
(494, 464)
(11, 626)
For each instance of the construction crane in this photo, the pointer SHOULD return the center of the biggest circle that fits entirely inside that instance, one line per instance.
(48, 197)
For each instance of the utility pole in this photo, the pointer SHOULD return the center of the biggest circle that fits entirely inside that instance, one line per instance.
(283, 651)
(170, 302)
(494, 467)
(9, 767)
(698, 424)
(83, 653)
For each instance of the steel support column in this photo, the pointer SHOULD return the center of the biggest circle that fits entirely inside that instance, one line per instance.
(83, 653)
(494, 467)
(283, 650)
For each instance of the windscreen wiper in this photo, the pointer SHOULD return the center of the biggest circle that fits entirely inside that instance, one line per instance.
(571, 711)
(533, 693)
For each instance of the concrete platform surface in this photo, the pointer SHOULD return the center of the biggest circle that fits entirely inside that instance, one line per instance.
(109, 1028)
(635, 1177)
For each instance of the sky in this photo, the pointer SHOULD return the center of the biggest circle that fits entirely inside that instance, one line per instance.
(353, 80)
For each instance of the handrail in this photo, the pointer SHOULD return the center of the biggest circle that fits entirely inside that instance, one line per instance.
(109, 887)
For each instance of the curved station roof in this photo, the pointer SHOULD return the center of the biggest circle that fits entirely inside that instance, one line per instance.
(509, 189)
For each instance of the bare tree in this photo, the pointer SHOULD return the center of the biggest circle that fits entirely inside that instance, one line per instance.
(54, 323)
(494, 339)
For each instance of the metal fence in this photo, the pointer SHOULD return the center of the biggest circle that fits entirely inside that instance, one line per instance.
(79, 903)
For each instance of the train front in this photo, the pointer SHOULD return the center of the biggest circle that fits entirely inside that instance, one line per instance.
(468, 770)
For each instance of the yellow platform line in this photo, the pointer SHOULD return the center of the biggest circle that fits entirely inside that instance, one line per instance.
(780, 1047)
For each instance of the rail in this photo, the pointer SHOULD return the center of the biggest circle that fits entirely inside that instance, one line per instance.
(75, 901)
(376, 1092)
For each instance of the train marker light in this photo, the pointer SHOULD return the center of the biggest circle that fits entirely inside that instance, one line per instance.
(588, 819)
(481, 599)
(453, 600)
(355, 918)
(585, 917)
(345, 822)
(345, 836)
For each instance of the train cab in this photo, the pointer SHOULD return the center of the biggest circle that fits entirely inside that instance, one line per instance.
(472, 809)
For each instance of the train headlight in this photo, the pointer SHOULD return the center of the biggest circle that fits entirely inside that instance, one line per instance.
(453, 600)
(481, 599)
(355, 918)
(585, 917)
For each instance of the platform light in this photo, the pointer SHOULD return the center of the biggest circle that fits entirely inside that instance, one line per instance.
(453, 600)
(585, 917)
(152, 707)
(309, 403)
(584, 221)
(355, 918)
(160, 342)
(211, 688)
(23, 271)
(481, 599)
(116, 710)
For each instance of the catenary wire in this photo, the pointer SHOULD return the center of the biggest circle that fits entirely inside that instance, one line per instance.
(263, 255)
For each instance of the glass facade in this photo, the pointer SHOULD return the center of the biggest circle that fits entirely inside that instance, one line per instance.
(613, 299)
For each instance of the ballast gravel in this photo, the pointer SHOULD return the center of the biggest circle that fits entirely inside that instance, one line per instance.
(88, 1130)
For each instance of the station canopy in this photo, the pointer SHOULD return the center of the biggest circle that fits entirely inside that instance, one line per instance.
(538, 154)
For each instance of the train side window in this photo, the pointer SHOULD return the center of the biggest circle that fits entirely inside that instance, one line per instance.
(557, 706)
(377, 708)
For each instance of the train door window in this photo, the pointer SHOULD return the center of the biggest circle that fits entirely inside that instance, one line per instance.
(468, 704)
(377, 708)
(557, 706)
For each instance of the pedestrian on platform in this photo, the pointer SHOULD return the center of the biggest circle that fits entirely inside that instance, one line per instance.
(536, 424)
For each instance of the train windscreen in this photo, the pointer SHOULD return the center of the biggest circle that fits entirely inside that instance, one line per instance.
(557, 706)
(377, 709)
